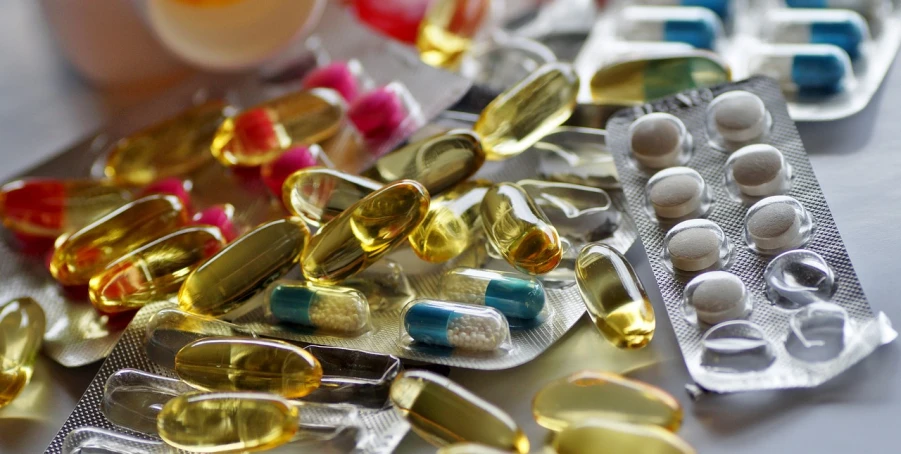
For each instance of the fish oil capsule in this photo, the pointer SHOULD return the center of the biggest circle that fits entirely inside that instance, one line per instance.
(84, 253)
(439, 162)
(720, 7)
(447, 29)
(842, 28)
(716, 297)
(519, 230)
(133, 398)
(22, 324)
(443, 412)
(758, 170)
(514, 295)
(526, 112)
(455, 325)
(154, 271)
(696, 245)
(616, 300)
(585, 436)
(171, 148)
(677, 193)
(89, 439)
(659, 140)
(808, 68)
(227, 422)
(248, 364)
(262, 133)
(365, 232)
(639, 81)
(339, 310)
(776, 224)
(244, 267)
(46, 207)
(450, 225)
(594, 394)
(471, 448)
(699, 27)
(171, 329)
(317, 195)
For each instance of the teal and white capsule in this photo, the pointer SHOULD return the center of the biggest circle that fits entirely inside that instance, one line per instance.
(463, 326)
(804, 68)
(843, 28)
(722, 8)
(868, 8)
(513, 294)
(698, 27)
(339, 310)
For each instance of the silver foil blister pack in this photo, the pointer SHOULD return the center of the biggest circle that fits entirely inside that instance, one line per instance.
(774, 345)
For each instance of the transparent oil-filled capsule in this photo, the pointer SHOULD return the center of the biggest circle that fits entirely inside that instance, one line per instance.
(454, 325)
(795, 279)
(736, 346)
(804, 69)
(677, 194)
(586, 436)
(450, 226)
(659, 140)
(22, 324)
(519, 230)
(384, 284)
(88, 439)
(171, 148)
(154, 271)
(447, 30)
(577, 212)
(248, 364)
(523, 114)
(636, 81)
(364, 232)
(443, 412)
(699, 27)
(471, 448)
(818, 332)
(79, 256)
(48, 207)
(227, 422)
(757, 171)
(716, 297)
(261, 133)
(171, 329)
(326, 309)
(513, 294)
(592, 394)
(317, 195)
(776, 224)
(843, 28)
(244, 267)
(578, 156)
(695, 246)
(438, 162)
(737, 118)
(722, 8)
(616, 300)
(498, 63)
(133, 398)
(354, 376)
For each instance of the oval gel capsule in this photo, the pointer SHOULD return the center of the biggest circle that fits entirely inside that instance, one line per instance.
(317, 195)
(455, 325)
(450, 225)
(842, 28)
(812, 68)
(585, 436)
(22, 324)
(447, 29)
(339, 310)
(639, 81)
(699, 27)
(513, 294)
(519, 230)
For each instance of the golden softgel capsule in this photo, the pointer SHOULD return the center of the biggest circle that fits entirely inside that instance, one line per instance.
(526, 112)
(365, 232)
(317, 195)
(172, 148)
(22, 325)
(586, 436)
(443, 412)
(248, 364)
(447, 29)
(595, 394)
(519, 230)
(227, 422)
(616, 300)
(154, 271)
(84, 253)
(450, 226)
(244, 267)
(260, 134)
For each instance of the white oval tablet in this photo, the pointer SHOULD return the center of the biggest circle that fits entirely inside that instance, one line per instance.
(758, 170)
(676, 192)
(739, 116)
(717, 297)
(657, 140)
(774, 226)
(694, 249)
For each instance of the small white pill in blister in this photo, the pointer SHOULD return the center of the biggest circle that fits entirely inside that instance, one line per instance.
(658, 140)
(694, 249)
(758, 170)
(739, 116)
(774, 226)
(717, 297)
(677, 192)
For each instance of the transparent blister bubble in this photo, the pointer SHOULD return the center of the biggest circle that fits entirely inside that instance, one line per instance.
(657, 141)
(716, 297)
(561, 277)
(677, 194)
(818, 332)
(580, 213)
(737, 118)
(696, 246)
(384, 284)
(169, 330)
(133, 398)
(84, 440)
(434, 326)
(799, 278)
(736, 347)
(577, 155)
(777, 224)
(755, 172)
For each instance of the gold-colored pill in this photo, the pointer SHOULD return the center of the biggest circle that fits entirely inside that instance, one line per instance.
(450, 225)
(447, 29)
(244, 267)
(526, 112)
(317, 195)
(22, 324)
(171, 148)
(248, 364)
(519, 230)
(84, 253)
(586, 436)
(227, 422)
(594, 394)
(365, 232)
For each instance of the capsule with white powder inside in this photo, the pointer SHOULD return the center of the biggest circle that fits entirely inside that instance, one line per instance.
(758, 170)
(807, 68)
(776, 224)
(868, 8)
(659, 140)
(678, 193)
(839, 27)
(716, 297)
(698, 27)
(515, 295)
(463, 326)
(721, 8)
(339, 310)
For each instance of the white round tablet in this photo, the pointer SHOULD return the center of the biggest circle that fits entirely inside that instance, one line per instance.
(717, 297)
(657, 140)
(758, 170)
(676, 192)
(694, 249)
(774, 226)
(739, 116)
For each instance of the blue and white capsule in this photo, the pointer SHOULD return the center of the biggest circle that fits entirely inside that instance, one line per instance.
(722, 8)
(867, 8)
(337, 310)
(698, 27)
(515, 295)
(804, 68)
(455, 325)
(843, 28)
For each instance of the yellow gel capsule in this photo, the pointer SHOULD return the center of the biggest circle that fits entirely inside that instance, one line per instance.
(248, 364)
(450, 225)
(594, 394)
(260, 134)
(365, 232)
(587, 436)
(519, 230)
(616, 300)
(22, 325)
(227, 422)
(447, 29)
(154, 271)
(84, 253)
(439, 162)
(443, 412)
(639, 81)
(244, 267)
(471, 448)
(172, 148)
(317, 194)
(526, 112)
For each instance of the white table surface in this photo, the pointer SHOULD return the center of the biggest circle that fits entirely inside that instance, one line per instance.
(44, 107)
